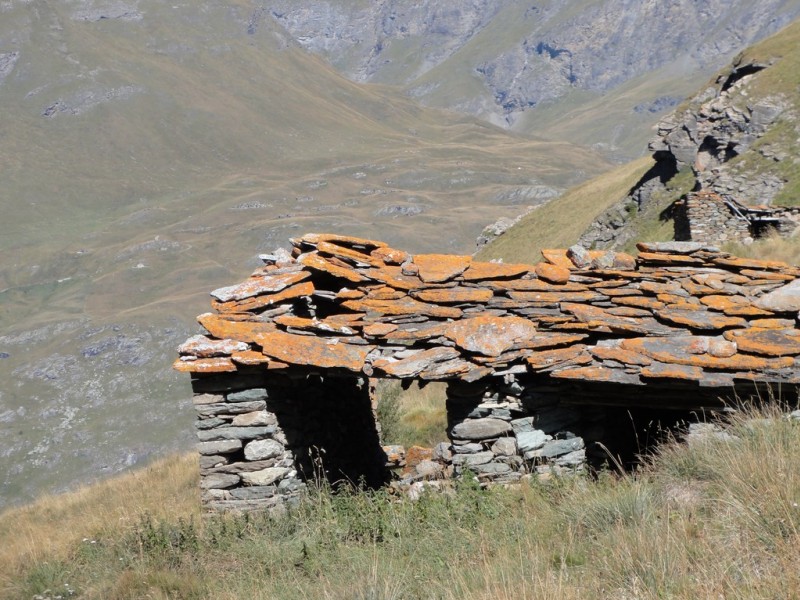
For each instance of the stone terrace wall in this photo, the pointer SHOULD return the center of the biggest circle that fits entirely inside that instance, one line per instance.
(538, 357)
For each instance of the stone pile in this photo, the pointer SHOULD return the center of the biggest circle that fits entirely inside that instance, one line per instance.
(521, 346)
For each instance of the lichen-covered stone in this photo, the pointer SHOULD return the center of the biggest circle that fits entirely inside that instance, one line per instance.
(490, 336)
(205, 365)
(403, 306)
(202, 347)
(552, 273)
(455, 295)
(417, 363)
(767, 342)
(318, 263)
(479, 271)
(312, 350)
(258, 285)
(435, 268)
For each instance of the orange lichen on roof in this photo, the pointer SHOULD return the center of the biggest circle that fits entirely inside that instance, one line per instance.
(490, 336)
(312, 350)
(488, 270)
(679, 311)
(436, 268)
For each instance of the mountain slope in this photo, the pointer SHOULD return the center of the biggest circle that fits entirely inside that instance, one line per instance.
(149, 152)
(553, 68)
(739, 136)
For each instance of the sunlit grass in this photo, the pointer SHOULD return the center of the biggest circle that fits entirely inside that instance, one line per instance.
(772, 247)
(715, 519)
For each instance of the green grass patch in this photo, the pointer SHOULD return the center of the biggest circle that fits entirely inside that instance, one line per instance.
(561, 222)
(718, 518)
(413, 417)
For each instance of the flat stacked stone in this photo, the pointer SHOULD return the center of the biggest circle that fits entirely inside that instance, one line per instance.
(681, 316)
(357, 305)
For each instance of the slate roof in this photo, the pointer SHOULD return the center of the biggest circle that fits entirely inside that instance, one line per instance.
(679, 311)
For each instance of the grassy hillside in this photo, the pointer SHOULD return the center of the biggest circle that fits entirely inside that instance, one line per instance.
(150, 151)
(560, 223)
(715, 519)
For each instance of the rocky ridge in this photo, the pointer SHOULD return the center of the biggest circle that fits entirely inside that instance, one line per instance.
(720, 140)
(509, 58)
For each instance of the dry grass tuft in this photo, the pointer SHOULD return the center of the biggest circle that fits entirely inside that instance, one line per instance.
(719, 518)
(52, 527)
(772, 247)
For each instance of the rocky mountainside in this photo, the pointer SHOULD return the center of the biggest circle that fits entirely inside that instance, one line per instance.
(739, 137)
(554, 67)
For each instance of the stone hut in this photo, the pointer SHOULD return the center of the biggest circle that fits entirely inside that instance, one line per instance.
(546, 365)
(710, 218)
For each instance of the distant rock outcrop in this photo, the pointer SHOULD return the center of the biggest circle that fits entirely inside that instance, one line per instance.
(720, 140)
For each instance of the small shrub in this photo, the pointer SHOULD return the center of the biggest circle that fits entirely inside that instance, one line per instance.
(48, 580)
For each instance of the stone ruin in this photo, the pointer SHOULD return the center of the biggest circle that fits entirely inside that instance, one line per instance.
(710, 218)
(546, 365)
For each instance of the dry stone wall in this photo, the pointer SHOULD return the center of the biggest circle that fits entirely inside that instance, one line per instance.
(537, 357)
(262, 436)
(708, 217)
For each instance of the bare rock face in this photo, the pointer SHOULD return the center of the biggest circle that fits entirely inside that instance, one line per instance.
(722, 128)
(548, 52)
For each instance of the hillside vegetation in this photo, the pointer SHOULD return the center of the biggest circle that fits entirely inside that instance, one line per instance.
(718, 518)
(559, 224)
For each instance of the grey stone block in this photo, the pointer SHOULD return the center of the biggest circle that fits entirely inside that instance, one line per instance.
(219, 447)
(250, 395)
(506, 446)
(229, 409)
(209, 423)
(560, 447)
(532, 440)
(522, 425)
(263, 449)
(234, 433)
(265, 476)
(219, 481)
(473, 459)
(255, 492)
(480, 429)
